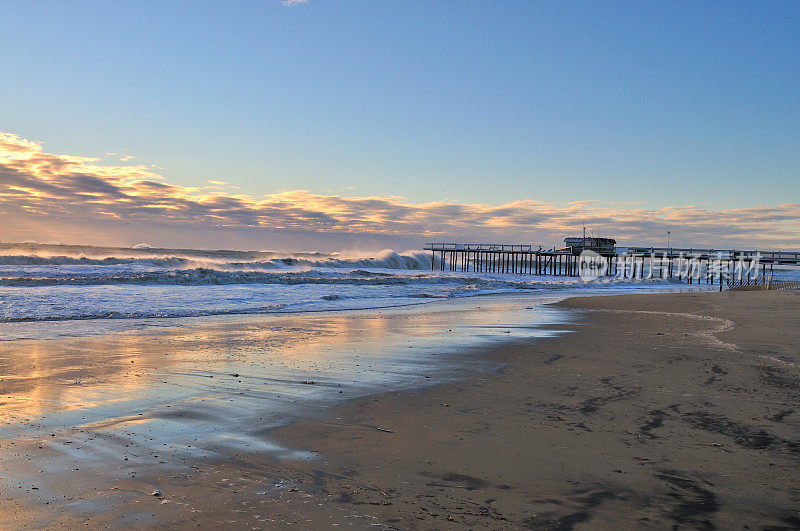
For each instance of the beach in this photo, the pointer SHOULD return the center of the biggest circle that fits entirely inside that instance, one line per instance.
(654, 410)
(311, 265)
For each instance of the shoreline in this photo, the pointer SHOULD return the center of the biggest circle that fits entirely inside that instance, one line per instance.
(573, 430)
(110, 325)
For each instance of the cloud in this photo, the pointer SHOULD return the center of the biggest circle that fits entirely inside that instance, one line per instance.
(45, 196)
(291, 3)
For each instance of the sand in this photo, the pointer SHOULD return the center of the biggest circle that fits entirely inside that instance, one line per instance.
(656, 411)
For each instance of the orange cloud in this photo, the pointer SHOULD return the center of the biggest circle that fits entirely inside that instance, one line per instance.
(40, 190)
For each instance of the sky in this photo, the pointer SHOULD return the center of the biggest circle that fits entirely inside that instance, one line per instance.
(329, 124)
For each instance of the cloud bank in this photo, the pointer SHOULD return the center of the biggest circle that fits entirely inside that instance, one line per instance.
(75, 199)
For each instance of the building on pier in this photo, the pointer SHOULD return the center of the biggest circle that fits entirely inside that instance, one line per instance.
(602, 246)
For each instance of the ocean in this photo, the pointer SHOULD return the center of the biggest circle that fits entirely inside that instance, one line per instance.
(68, 282)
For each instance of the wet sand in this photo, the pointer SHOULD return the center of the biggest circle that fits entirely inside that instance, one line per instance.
(658, 411)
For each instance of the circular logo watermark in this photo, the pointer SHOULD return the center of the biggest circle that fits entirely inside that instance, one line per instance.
(591, 266)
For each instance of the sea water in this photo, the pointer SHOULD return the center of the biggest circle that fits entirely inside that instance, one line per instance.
(59, 282)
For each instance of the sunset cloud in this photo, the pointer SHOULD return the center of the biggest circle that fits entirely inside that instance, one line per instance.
(45, 192)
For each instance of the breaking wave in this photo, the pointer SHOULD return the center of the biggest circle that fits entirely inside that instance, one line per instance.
(228, 260)
(70, 260)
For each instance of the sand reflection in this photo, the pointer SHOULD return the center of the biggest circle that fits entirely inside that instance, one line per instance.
(174, 390)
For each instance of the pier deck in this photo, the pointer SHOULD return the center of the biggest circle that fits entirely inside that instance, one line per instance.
(690, 264)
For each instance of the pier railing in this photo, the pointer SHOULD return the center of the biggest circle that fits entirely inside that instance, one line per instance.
(505, 247)
(769, 257)
(776, 257)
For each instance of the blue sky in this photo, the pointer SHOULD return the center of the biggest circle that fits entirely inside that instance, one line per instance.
(665, 103)
(639, 105)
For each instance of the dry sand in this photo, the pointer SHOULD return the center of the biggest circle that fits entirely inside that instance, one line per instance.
(658, 411)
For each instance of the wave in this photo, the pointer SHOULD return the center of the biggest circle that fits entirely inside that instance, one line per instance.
(22, 260)
(411, 260)
(181, 268)
(139, 314)
(204, 276)
(197, 277)
(211, 277)
(223, 261)
(91, 303)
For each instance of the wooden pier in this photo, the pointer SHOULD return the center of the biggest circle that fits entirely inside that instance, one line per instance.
(689, 264)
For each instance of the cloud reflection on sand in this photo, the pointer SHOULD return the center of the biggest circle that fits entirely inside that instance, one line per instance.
(214, 384)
